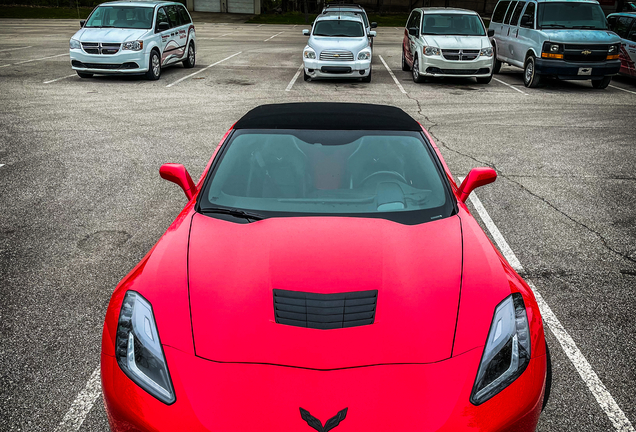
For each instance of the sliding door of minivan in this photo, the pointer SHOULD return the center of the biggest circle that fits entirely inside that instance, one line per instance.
(503, 45)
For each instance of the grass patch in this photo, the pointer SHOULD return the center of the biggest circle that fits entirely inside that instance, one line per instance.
(388, 20)
(43, 12)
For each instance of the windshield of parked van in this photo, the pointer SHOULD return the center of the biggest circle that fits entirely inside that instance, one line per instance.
(384, 174)
(571, 15)
(121, 17)
(338, 28)
(452, 24)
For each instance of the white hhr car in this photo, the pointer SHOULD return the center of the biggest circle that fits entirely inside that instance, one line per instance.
(443, 42)
(140, 37)
(338, 47)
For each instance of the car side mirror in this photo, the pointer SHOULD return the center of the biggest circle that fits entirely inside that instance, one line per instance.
(162, 26)
(414, 32)
(306, 32)
(374, 24)
(82, 23)
(491, 32)
(176, 173)
(476, 177)
(373, 33)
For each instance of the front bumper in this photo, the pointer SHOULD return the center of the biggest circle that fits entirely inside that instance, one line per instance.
(337, 69)
(438, 66)
(570, 70)
(128, 62)
(219, 397)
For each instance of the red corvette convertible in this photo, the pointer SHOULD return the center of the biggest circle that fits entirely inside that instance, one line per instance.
(325, 274)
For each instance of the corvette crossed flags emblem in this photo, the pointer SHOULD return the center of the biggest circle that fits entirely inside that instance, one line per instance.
(329, 424)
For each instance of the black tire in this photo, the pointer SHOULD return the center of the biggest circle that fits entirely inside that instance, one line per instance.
(89, 75)
(602, 83)
(154, 66)
(305, 76)
(405, 65)
(484, 80)
(367, 79)
(548, 377)
(531, 78)
(497, 65)
(191, 57)
(415, 72)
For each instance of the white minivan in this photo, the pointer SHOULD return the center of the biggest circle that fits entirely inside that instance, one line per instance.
(140, 37)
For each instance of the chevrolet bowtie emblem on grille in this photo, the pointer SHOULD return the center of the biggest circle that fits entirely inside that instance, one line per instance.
(586, 52)
(336, 55)
(330, 424)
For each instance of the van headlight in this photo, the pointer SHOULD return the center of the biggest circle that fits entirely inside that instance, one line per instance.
(138, 348)
(431, 51)
(507, 351)
(486, 52)
(75, 44)
(309, 53)
(133, 46)
(364, 54)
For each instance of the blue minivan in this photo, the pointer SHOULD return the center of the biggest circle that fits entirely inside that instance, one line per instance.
(566, 39)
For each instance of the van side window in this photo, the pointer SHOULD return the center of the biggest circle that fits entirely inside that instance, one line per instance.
(183, 14)
(500, 11)
(161, 17)
(515, 16)
(509, 13)
(528, 15)
(173, 16)
(631, 36)
(621, 26)
(417, 19)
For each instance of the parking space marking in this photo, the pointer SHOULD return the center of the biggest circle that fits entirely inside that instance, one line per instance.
(392, 75)
(625, 90)
(511, 86)
(291, 83)
(82, 405)
(59, 79)
(603, 397)
(38, 59)
(205, 68)
(15, 49)
(272, 37)
(1, 165)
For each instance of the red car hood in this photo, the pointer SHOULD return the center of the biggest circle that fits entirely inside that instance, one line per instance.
(233, 269)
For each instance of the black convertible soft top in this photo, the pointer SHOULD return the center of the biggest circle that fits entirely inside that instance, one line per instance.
(328, 116)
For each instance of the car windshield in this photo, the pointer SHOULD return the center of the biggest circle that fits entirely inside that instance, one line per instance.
(452, 24)
(338, 28)
(121, 17)
(571, 15)
(383, 174)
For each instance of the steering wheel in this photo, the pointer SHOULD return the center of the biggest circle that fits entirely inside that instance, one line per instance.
(393, 174)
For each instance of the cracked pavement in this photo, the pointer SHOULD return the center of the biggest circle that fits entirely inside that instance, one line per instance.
(83, 202)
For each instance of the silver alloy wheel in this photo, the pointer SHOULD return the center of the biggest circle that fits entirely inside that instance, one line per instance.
(529, 70)
(156, 67)
(416, 68)
(191, 55)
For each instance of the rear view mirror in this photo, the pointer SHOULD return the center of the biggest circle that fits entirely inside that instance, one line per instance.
(476, 177)
(491, 33)
(374, 25)
(176, 173)
(414, 32)
(373, 33)
(306, 32)
(163, 26)
(82, 23)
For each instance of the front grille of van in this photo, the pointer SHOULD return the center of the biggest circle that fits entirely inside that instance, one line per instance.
(594, 53)
(336, 55)
(460, 54)
(100, 48)
(105, 66)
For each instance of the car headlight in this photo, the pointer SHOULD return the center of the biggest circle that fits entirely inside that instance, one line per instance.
(75, 44)
(309, 53)
(138, 348)
(553, 48)
(133, 46)
(431, 51)
(364, 55)
(487, 52)
(613, 49)
(507, 351)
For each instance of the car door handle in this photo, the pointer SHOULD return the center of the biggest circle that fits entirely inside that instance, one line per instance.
(508, 32)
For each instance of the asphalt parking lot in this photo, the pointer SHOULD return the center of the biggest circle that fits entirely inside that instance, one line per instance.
(82, 201)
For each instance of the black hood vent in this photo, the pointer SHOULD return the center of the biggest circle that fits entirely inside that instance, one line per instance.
(325, 311)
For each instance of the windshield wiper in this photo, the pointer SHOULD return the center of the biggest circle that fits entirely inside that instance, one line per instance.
(553, 25)
(233, 212)
(588, 27)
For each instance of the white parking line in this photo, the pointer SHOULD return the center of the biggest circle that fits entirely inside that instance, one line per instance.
(42, 58)
(205, 68)
(82, 405)
(511, 86)
(1, 165)
(393, 75)
(603, 397)
(291, 83)
(625, 90)
(15, 49)
(273, 36)
(59, 79)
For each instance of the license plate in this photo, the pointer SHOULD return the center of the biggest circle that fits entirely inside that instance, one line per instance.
(585, 71)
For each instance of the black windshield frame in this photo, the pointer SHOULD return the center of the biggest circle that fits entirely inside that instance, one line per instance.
(412, 217)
